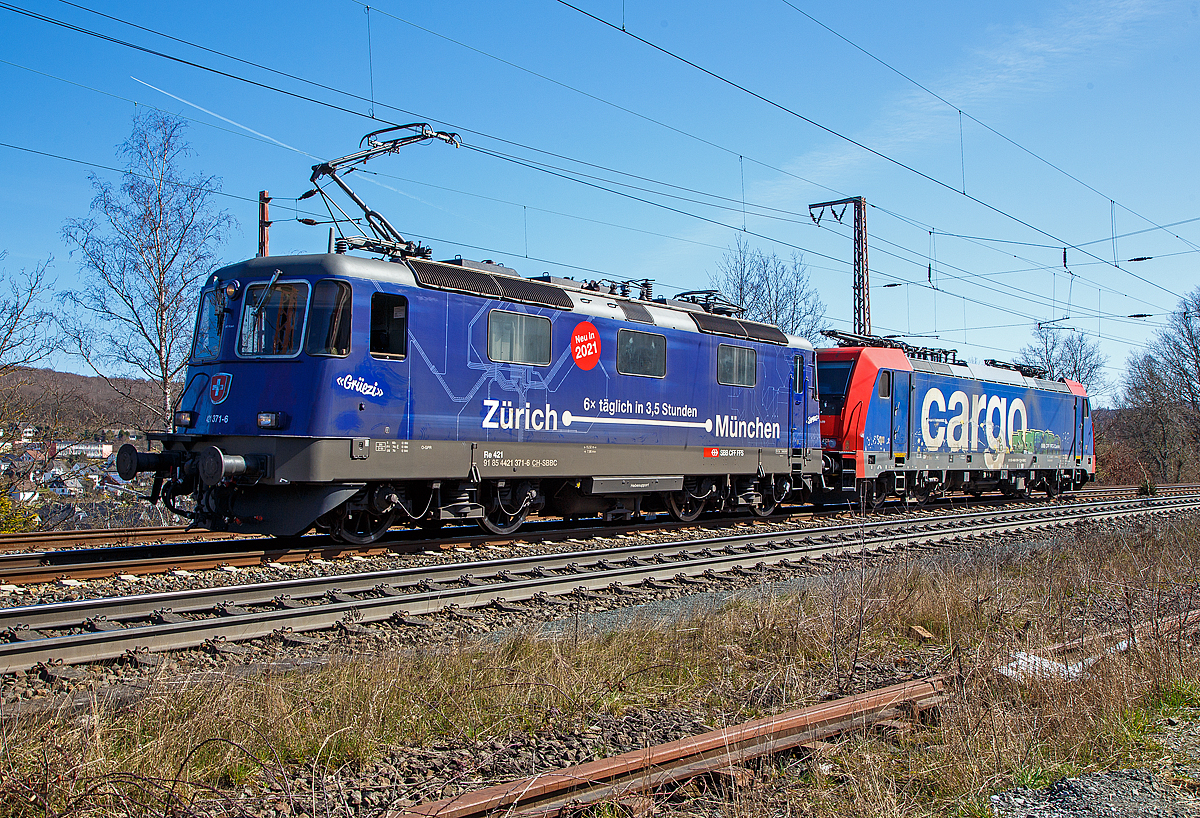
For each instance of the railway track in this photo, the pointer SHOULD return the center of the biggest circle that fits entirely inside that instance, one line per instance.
(173, 549)
(25, 540)
(93, 563)
(109, 628)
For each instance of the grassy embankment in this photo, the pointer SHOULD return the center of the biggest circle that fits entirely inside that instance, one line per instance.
(843, 632)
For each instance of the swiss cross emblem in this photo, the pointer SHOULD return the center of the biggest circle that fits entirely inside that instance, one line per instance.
(218, 388)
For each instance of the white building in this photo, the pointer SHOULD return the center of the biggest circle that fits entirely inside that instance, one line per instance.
(87, 448)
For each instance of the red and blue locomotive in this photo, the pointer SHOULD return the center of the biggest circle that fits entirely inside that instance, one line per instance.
(351, 394)
(898, 420)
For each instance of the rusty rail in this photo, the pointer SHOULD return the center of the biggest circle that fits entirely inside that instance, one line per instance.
(647, 769)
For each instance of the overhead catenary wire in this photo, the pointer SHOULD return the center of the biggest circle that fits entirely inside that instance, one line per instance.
(568, 266)
(321, 102)
(486, 249)
(982, 124)
(862, 146)
(563, 2)
(806, 222)
(407, 112)
(968, 277)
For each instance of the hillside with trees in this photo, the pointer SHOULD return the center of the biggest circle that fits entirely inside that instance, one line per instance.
(63, 405)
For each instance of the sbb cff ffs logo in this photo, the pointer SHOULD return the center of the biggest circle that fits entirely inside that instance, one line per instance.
(218, 388)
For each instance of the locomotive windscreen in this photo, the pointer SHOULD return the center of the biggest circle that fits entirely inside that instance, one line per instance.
(209, 324)
(833, 378)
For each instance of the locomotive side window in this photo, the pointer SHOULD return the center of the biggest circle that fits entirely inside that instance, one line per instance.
(209, 324)
(885, 385)
(273, 319)
(389, 325)
(329, 319)
(736, 366)
(641, 353)
(517, 338)
(833, 378)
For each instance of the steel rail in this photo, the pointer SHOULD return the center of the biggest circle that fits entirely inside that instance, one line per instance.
(21, 540)
(184, 551)
(28, 567)
(739, 554)
(96, 563)
(650, 768)
(121, 608)
(102, 563)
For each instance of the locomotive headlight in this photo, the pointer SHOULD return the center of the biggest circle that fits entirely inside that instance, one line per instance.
(185, 420)
(271, 420)
(232, 289)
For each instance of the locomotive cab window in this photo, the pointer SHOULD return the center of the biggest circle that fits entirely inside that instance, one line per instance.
(389, 325)
(641, 353)
(833, 379)
(1087, 409)
(736, 366)
(273, 319)
(885, 385)
(517, 338)
(329, 319)
(209, 323)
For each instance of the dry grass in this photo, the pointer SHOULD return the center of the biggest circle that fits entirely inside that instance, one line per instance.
(842, 632)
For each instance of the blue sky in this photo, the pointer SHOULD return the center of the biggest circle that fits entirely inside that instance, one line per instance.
(1098, 91)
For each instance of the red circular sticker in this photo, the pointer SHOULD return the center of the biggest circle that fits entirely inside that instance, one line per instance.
(585, 345)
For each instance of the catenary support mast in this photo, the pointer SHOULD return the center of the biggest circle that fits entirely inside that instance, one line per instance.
(862, 284)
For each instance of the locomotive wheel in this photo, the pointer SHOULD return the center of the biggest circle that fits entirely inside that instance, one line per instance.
(764, 509)
(500, 522)
(361, 527)
(683, 507)
(919, 493)
(874, 492)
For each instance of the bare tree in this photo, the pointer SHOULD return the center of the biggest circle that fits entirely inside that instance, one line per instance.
(1066, 354)
(24, 320)
(145, 249)
(1158, 420)
(1151, 423)
(1176, 352)
(771, 289)
(25, 338)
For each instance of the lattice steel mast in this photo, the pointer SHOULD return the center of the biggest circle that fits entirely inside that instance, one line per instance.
(862, 284)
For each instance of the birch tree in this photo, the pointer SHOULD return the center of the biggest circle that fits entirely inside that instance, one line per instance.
(144, 250)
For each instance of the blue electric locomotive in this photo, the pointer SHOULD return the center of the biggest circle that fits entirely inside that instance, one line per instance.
(353, 394)
(898, 420)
